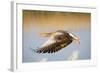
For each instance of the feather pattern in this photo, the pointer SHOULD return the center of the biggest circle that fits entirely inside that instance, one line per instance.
(54, 47)
(57, 41)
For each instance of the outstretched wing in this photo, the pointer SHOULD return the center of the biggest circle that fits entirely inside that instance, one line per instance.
(53, 47)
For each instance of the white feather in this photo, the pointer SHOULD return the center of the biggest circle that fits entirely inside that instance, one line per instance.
(49, 41)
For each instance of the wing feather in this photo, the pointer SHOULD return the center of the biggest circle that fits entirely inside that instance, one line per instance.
(54, 47)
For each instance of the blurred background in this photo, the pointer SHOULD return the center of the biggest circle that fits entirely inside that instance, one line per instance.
(36, 22)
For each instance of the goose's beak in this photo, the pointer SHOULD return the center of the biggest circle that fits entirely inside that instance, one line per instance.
(78, 41)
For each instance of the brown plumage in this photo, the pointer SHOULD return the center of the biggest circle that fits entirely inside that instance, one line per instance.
(57, 41)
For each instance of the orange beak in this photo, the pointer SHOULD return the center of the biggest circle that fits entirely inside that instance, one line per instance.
(77, 41)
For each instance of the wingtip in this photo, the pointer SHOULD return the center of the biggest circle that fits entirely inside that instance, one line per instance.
(33, 50)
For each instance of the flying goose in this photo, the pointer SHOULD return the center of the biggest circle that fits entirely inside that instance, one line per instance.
(57, 41)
